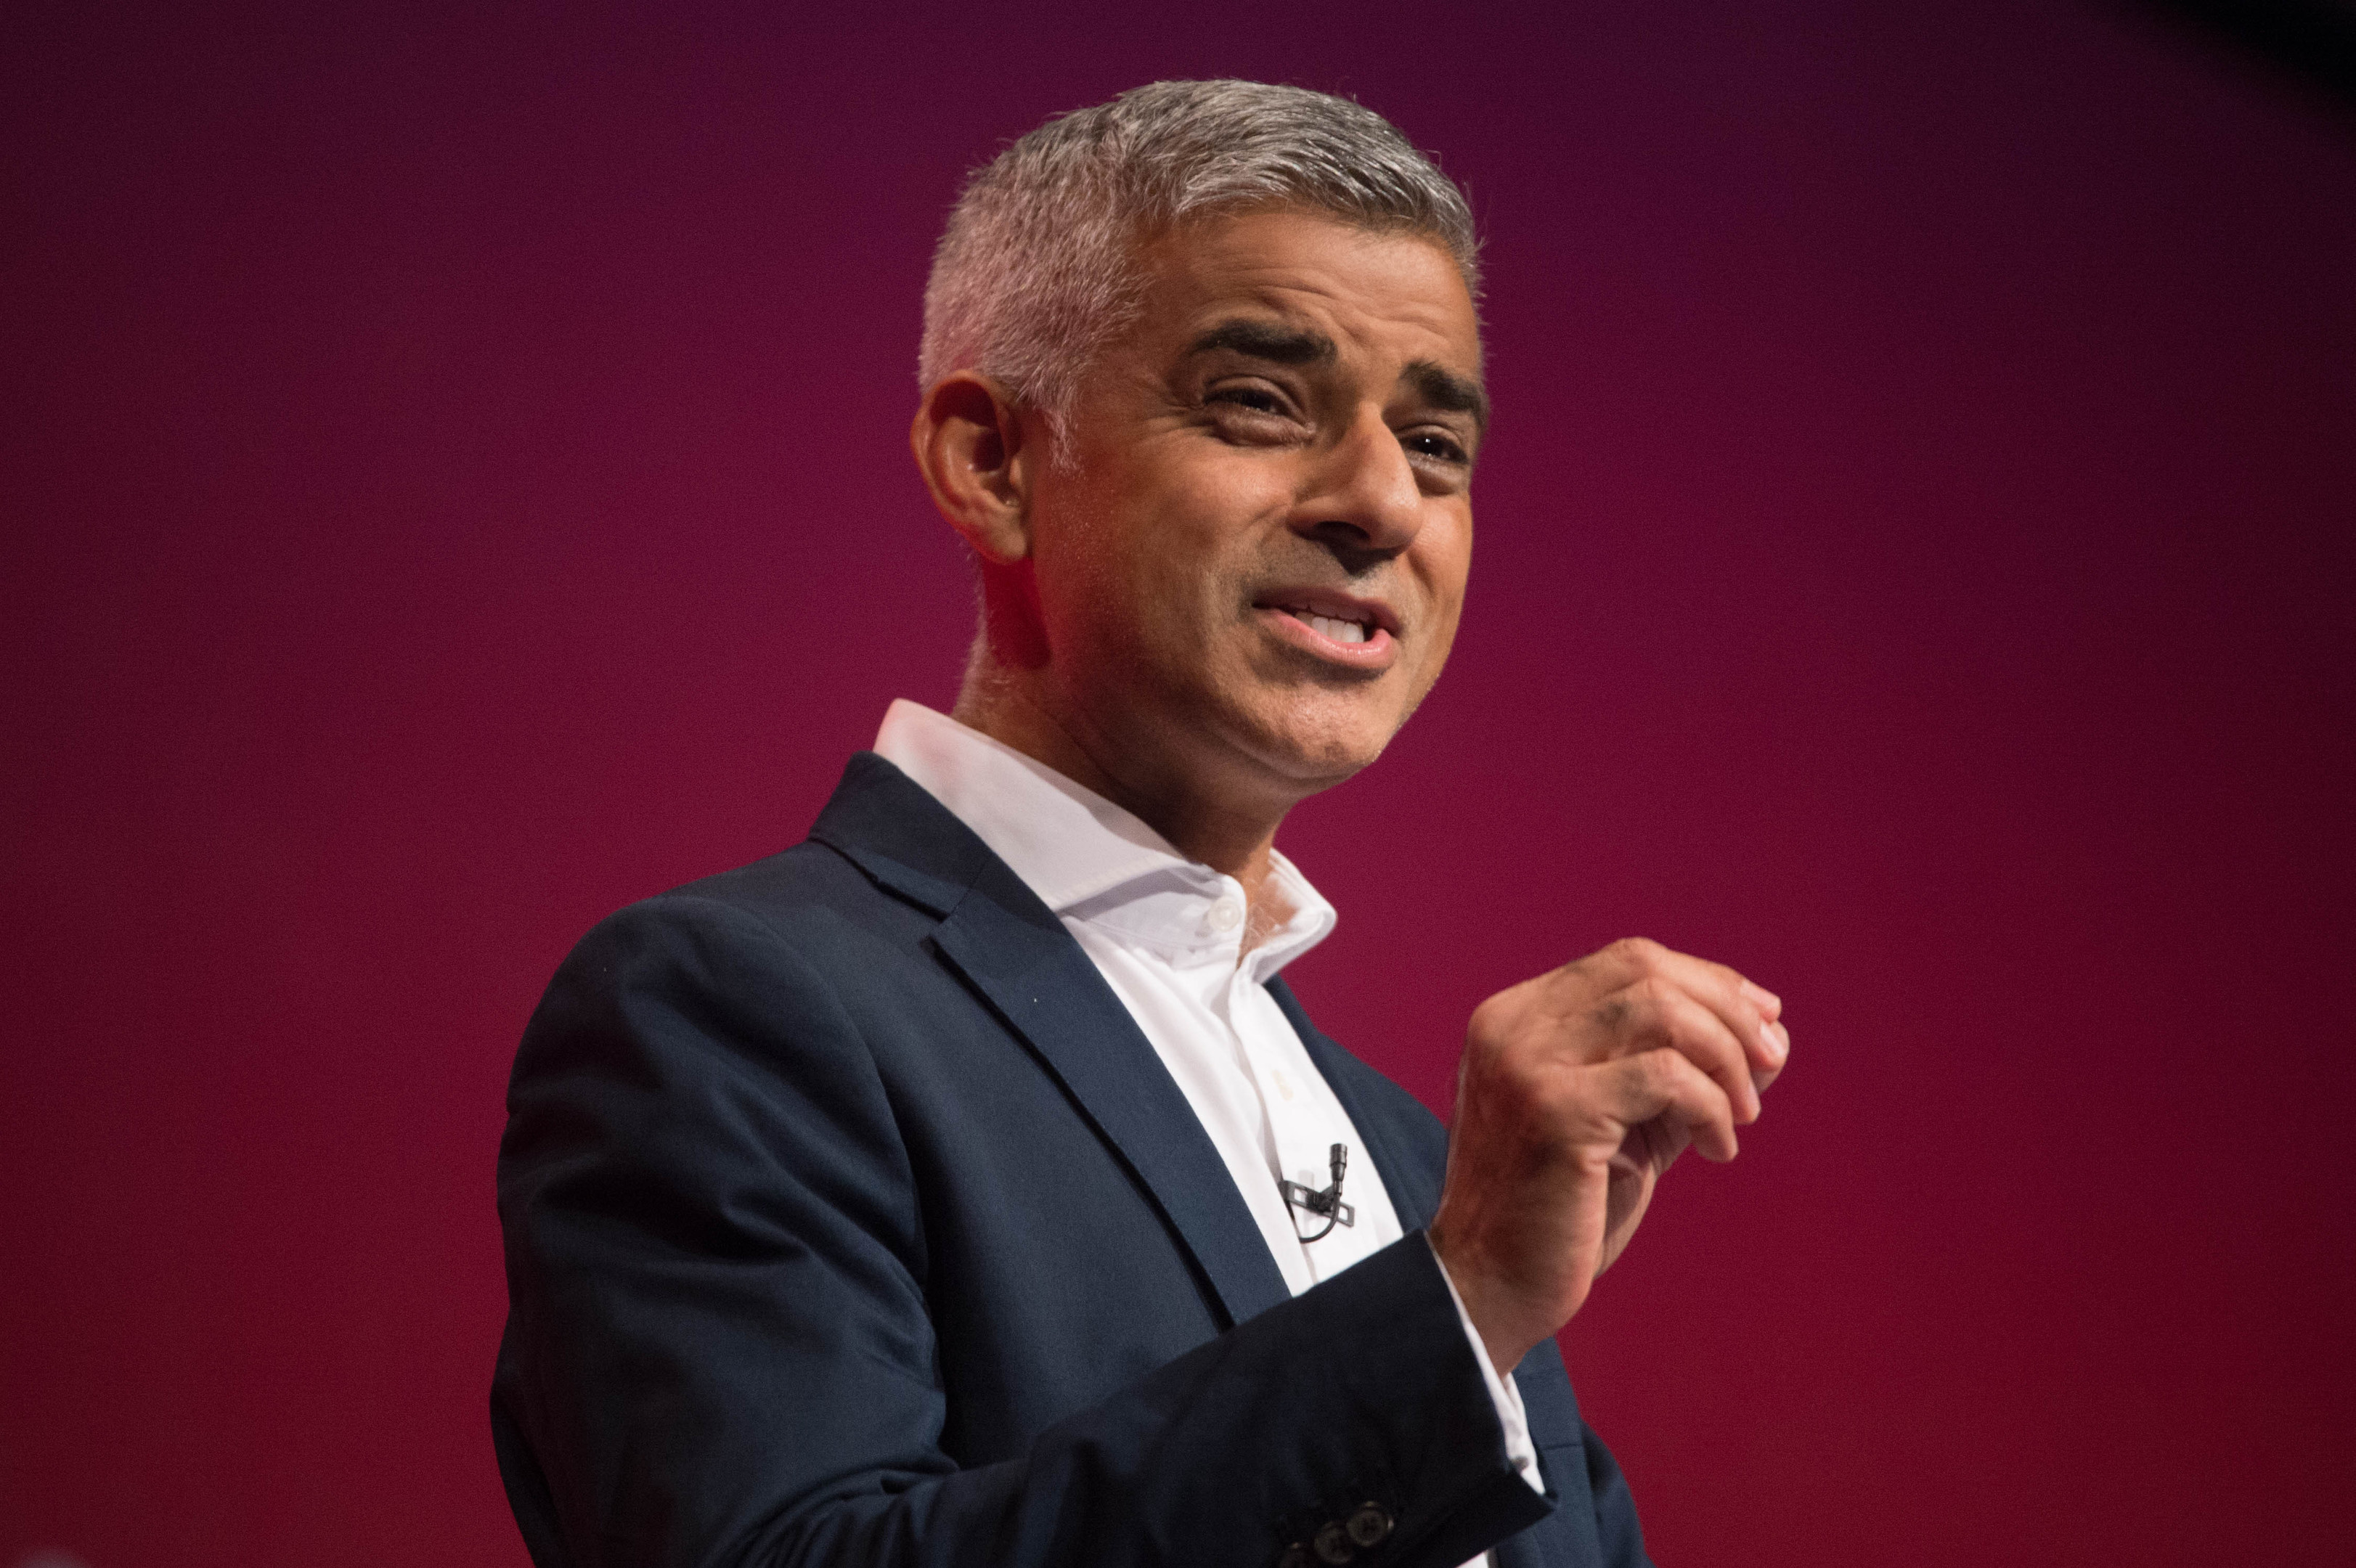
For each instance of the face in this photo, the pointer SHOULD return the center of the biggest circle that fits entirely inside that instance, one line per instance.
(1250, 568)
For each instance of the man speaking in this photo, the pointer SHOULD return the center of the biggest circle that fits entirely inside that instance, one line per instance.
(963, 1186)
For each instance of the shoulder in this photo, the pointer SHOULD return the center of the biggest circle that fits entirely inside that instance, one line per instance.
(806, 909)
(739, 965)
(803, 893)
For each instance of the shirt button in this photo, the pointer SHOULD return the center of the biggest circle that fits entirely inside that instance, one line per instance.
(1369, 1524)
(1225, 916)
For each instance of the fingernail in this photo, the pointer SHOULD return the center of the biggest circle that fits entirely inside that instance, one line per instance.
(1778, 1041)
(1763, 998)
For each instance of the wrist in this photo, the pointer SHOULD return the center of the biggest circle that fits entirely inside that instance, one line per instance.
(1487, 1306)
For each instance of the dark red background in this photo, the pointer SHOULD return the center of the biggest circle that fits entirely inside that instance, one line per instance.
(454, 485)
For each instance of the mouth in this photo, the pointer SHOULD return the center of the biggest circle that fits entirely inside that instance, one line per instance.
(1360, 633)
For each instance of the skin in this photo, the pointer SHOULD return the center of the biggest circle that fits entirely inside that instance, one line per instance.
(1289, 430)
(1129, 641)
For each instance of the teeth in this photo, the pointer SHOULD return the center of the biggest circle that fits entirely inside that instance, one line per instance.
(1339, 631)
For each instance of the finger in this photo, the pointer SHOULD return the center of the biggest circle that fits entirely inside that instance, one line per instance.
(1664, 1084)
(1750, 1010)
(1663, 1140)
(1696, 1031)
(1783, 1037)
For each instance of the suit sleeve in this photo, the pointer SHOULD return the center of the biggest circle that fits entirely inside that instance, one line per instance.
(719, 1349)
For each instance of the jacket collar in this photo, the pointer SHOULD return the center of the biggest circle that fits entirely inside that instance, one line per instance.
(882, 822)
(1015, 953)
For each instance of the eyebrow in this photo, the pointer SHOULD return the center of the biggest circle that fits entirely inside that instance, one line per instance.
(1266, 340)
(1444, 389)
(1280, 345)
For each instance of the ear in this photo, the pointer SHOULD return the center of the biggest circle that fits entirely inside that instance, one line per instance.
(970, 446)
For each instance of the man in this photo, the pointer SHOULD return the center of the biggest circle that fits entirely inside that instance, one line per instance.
(963, 1186)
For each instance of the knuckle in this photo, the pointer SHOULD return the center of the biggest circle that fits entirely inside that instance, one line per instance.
(1680, 1077)
(1497, 1023)
(1487, 1025)
(1643, 1010)
(1641, 952)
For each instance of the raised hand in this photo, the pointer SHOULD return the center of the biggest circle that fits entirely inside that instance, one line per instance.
(1578, 1090)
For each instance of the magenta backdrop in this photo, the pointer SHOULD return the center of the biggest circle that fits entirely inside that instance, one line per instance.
(454, 485)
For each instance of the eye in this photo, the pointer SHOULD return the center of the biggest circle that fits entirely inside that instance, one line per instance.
(1255, 397)
(1437, 445)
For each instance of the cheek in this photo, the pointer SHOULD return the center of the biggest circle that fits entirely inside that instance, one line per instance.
(1444, 572)
(1191, 543)
(1125, 580)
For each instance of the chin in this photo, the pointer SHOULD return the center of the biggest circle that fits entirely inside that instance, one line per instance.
(1312, 745)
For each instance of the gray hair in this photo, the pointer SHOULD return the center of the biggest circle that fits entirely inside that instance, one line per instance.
(1037, 271)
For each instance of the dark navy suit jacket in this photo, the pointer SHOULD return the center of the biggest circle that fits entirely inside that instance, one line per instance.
(851, 1220)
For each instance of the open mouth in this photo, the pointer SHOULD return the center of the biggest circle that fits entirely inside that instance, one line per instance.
(1359, 632)
(1333, 626)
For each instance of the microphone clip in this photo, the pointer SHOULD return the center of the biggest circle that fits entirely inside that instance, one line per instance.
(1327, 1205)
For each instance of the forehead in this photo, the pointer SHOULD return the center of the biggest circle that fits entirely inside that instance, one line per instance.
(1390, 295)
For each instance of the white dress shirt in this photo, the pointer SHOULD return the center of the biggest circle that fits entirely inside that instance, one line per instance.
(1168, 936)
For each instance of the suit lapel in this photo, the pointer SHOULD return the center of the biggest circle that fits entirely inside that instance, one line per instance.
(1012, 950)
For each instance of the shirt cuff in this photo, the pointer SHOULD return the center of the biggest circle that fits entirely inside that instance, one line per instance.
(1502, 1394)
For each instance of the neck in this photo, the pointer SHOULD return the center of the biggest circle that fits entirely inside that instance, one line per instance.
(1020, 708)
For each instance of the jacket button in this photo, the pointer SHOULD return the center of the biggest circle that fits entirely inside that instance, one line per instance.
(1369, 1524)
(1295, 1556)
(1334, 1545)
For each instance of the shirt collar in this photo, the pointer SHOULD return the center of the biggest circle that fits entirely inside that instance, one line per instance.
(1073, 848)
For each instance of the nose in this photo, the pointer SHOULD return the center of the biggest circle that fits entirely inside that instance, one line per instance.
(1361, 499)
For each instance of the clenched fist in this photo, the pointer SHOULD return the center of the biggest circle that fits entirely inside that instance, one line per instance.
(1578, 1090)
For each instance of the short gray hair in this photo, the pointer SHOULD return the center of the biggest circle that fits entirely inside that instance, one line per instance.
(1036, 270)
